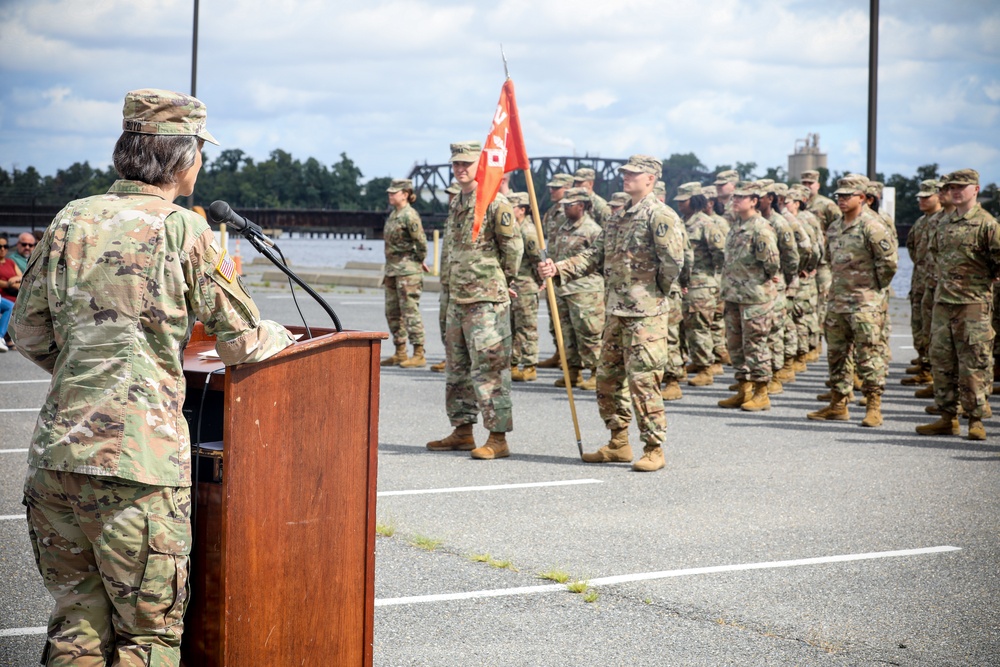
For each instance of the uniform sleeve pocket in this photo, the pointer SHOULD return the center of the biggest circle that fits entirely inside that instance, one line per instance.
(163, 593)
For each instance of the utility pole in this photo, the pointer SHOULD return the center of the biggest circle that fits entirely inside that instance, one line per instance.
(872, 86)
(194, 53)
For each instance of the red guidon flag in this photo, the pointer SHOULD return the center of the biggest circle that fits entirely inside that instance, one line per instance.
(503, 151)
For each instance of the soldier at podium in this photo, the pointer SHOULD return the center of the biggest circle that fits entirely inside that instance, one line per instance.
(107, 303)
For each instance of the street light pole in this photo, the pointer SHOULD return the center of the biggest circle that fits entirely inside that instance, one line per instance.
(194, 53)
(872, 86)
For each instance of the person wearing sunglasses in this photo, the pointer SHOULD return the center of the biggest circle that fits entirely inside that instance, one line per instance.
(22, 251)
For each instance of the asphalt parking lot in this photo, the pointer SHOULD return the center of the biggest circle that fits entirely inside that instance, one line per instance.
(767, 540)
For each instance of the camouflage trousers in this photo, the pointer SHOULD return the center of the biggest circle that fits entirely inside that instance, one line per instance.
(719, 331)
(115, 557)
(443, 314)
(855, 343)
(779, 320)
(629, 373)
(961, 355)
(581, 319)
(804, 316)
(700, 306)
(402, 308)
(748, 333)
(920, 342)
(524, 324)
(824, 280)
(674, 369)
(477, 373)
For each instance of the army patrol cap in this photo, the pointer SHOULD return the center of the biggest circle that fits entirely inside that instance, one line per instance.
(727, 176)
(643, 164)
(519, 199)
(400, 184)
(560, 181)
(575, 195)
(875, 189)
(710, 191)
(780, 189)
(928, 188)
(152, 111)
(620, 199)
(799, 192)
(660, 189)
(465, 151)
(809, 176)
(454, 188)
(746, 189)
(584, 174)
(961, 177)
(688, 190)
(765, 184)
(852, 184)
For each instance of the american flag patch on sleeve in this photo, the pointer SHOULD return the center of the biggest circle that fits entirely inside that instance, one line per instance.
(226, 267)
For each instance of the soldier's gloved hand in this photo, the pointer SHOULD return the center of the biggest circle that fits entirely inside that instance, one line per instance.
(547, 269)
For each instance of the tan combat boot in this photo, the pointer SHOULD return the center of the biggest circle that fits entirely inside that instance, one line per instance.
(529, 374)
(574, 377)
(743, 393)
(799, 363)
(590, 384)
(723, 357)
(672, 391)
(495, 448)
(439, 368)
(396, 359)
(836, 411)
(515, 374)
(857, 381)
(925, 392)
(417, 360)
(652, 459)
(947, 424)
(923, 377)
(703, 379)
(759, 401)
(616, 451)
(976, 429)
(774, 387)
(873, 410)
(734, 386)
(716, 369)
(460, 439)
(786, 373)
(551, 362)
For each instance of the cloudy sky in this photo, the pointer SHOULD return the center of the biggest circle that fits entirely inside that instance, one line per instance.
(391, 83)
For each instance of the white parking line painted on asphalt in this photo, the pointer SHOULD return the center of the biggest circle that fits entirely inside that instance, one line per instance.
(13, 451)
(11, 517)
(16, 632)
(20, 409)
(494, 487)
(647, 576)
(25, 381)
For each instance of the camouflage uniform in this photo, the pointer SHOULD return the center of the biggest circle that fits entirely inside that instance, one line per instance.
(600, 210)
(674, 368)
(708, 245)
(106, 307)
(797, 298)
(580, 302)
(524, 307)
(719, 319)
(788, 252)
(478, 335)
(805, 311)
(752, 260)
(405, 251)
(961, 348)
(863, 261)
(934, 225)
(640, 254)
(916, 244)
(826, 211)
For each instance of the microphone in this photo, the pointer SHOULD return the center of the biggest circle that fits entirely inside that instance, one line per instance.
(220, 212)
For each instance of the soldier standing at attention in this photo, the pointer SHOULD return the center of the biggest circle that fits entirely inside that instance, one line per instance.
(804, 309)
(452, 191)
(916, 245)
(600, 211)
(968, 261)
(580, 302)
(640, 254)
(524, 306)
(826, 211)
(674, 371)
(930, 289)
(554, 217)
(107, 303)
(714, 210)
(702, 294)
(478, 334)
(750, 288)
(862, 262)
(405, 251)
(725, 184)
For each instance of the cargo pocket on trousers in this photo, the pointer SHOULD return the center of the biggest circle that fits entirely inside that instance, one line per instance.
(979, 335)
(489, 346)
(163, 592)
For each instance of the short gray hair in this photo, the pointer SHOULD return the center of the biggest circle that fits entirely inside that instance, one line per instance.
(155, 159)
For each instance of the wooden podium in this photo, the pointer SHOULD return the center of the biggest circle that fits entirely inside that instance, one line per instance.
(283, 566)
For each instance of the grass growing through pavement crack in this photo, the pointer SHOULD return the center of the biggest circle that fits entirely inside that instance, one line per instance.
(493, 562)
(558, 576)
(385, 529)
(425, 543)
(578, 586)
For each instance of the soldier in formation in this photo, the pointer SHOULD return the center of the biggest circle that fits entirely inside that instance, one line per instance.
(524, 302)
